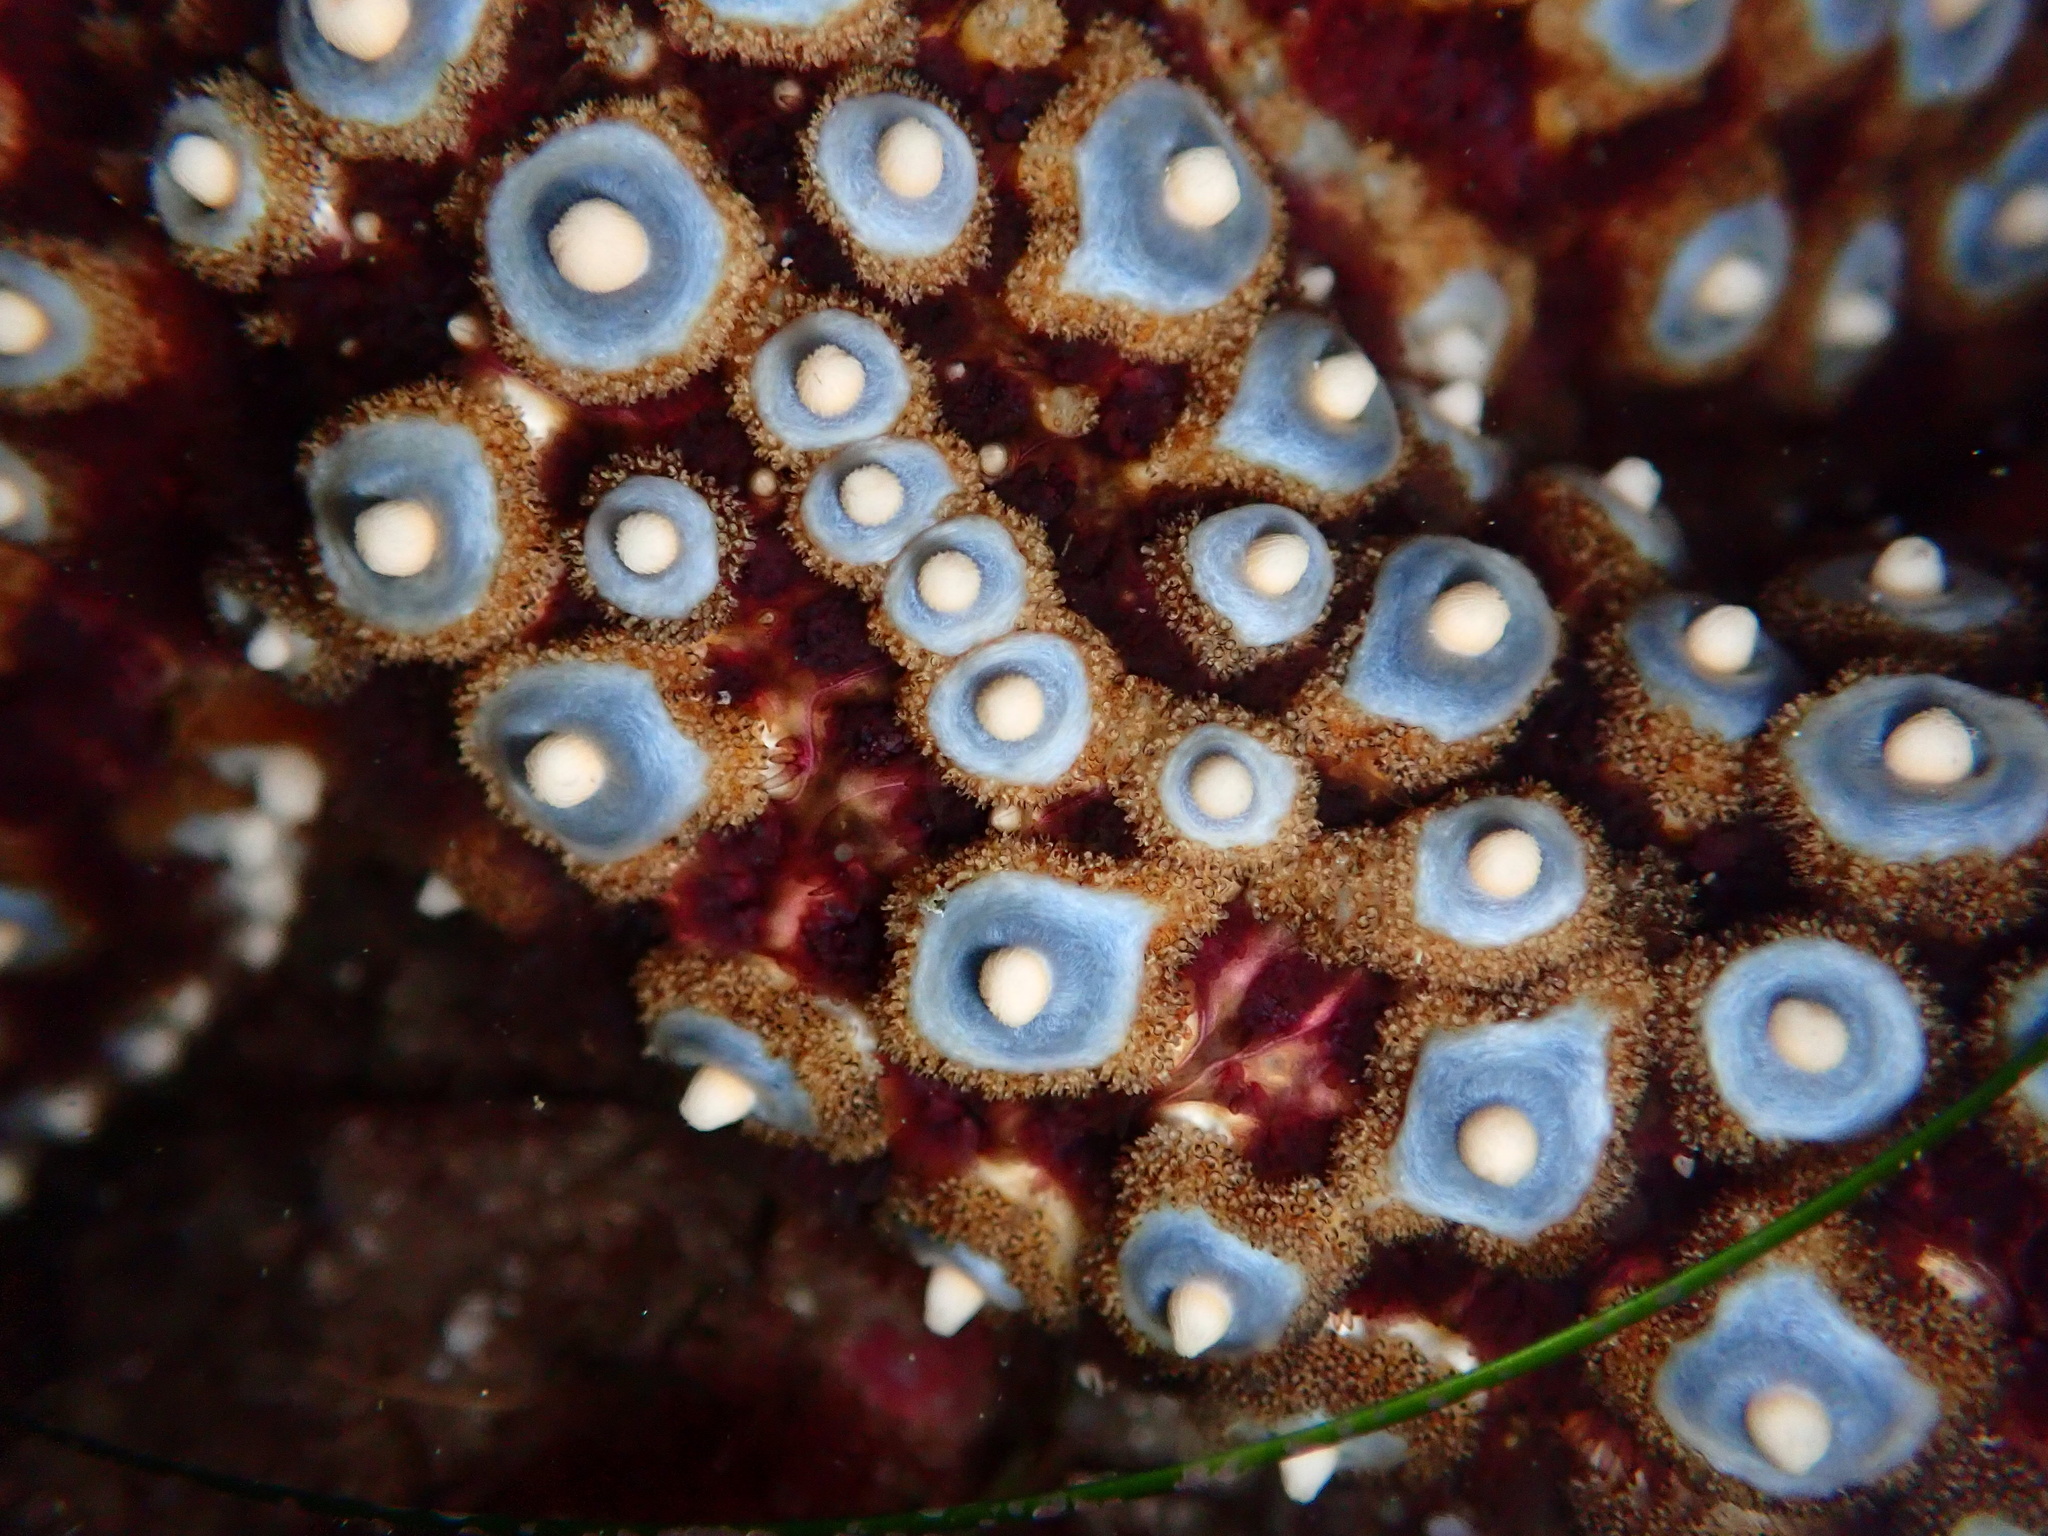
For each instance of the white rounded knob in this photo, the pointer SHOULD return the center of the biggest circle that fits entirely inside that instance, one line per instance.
(1932, 749)
(1722, 641)
(24, 326)
(1789, 1426)
(204, 169)
(1505, 864)
(717, 1097)
(599, 247)
(647, 543)
(910, 157)
(1458, 352)
(951, 1299)
(1461, 403)
(565, 769)
(270, 647)
(1198, 1314)
(1342, 385)
(1200, 188)
(1733, 288)
(1274, 563)
(13, 502)
(1911, 567)
(1221, 787)
(397, 538)
(871, 494)
(1636, 482)
(1856, 317)
(1498, 1143)
(1015, 984)
(1304, 1474)
(1469, 619)
(950, 582)
(1010, 706)
(829, 381)
(2021, 224)
(363, 29)
(1807, 1036)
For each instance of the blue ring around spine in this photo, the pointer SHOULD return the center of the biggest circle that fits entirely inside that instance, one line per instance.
(1270, 422)
(927, 483)
(931, 1252)
(651, 317)
(1976, 263)
(1649, 42)
(1872, 262)
(438, 463)
(676, 592)
(1655, 534)
(1886, 1059)
(884, 394)
(1947, 65)
(889, 225)
(1215, 554)
(1759, 230)
(1973, 599)
(34, 526)
(1554, 1070)
(690, 1037)
(1844, 29)
(1130, 251)
(1481, 462)
(1040, 758)
(187, 220)
(1734, 707)
(46, 937)
(2025, 1016)
(1275, 781)
(386, 92)
(1837, 762)
(1094, 944)
(1172, 1246)
(1399, 673)
(777, 13)
(1447, 902)
(1784, 1327)
(656, 778)
(70, 342)
(994, 612)
(1471, 297)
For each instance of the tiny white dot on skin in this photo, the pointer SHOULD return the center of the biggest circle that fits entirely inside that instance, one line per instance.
(1015, 983)
(13, 503)
(717, 1097)
(1316, 284)
(829, 381)
(949, 582)
(1498, 1143)
(1274, 563)
(647, 543)
(363, 29)
(762, 482)
(1932, 749)
(1733, 288)
(1911, 567)
(1636, 482)
(13, 940)
(871, 495)
(204, 169)
(1010, 707)
(437, 897)
(599, 247)
(910, 158)
(1807, 1036)
(1458, 352)
(1342, 385)
(2021, 223)
(565, 769)
(397, 538)
(23, 325)
(1469, 619)
(1505, 864)
(1855, 318)
(1200, 187)
(1947, 15)
(952, 1297)
(1722, 641)
(993, 458)
(269, 648)
(1198, 1314)
(1789, 1426)
(1304, 1474)
(367, 227)
(466, 331)
(1221, 787)
(1462, 403)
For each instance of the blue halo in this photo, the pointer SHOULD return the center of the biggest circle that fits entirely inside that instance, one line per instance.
(1169, 1247)
(187, 220)
(1732, 707)
(34, 525)
(1654, 535)
(931, 1252)
(2025, 1016)
(848, 139)
(437, 463)
(1871, 262)
(1844, 29)
(1481, 462)
(656, 778)
(386, 92)
(1837, 762)
(927, 482)
(1784, 1327)
(1679, 331)
(1215, 552)
(1973, 599)
(651, 317)
(1130, 251)
(993, 612)
(1270, 422)
(1040, 758)
(1947, 65)
(1275, 781)
(70, 342)
(1445, 899)
(1651, 43)
(690, 1037)
(671, 594)
(1886, 1059)
(884, 394)
(1554, 1070)
(1470, 298)
(1093, 942)
(45, 936)
(1400, 673)
(777, 13)
(1982, 266)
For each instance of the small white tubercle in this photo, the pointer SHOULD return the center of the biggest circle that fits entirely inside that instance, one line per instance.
(1636, 482)
(871, 495)
(565, 769)
(1722, 641)
(1200, 188)
(1855, 318)
(1274, 563)
(1015, 983)
(1506, 863)
(204, 169)
(1459, 352)
(1461, 403)
(1789, 1426)
(1498, 1143)
(717, 1097)
(1932, 749)
(1733, 288)
(1342, 385)
(1469, 619)
(2021, 223)
(950, 582)
(829, 381)
(1305, 1474)
(438, 897)
(366, 30)
(1010, 706)
(1910, 568)
(1221, 787)
(1807, 1036)
(951, 1299)
(910, 158)
(1198, 1314)
(1947, 15)
(397, 538)
(13, 502)
(647, 543)
(599, 247)
(24, 325)
(13, 940)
